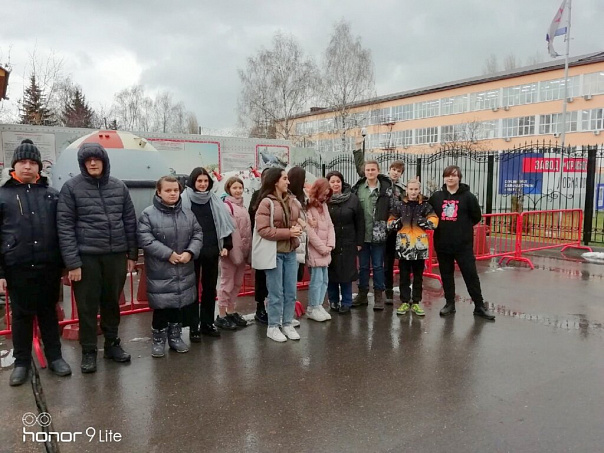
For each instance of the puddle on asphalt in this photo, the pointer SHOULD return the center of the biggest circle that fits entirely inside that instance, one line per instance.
(575, 321)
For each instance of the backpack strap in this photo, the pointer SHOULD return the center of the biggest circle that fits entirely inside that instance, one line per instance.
(230, 206)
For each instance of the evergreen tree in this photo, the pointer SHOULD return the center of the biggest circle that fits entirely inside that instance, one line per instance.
(33, 105)
(76, 112)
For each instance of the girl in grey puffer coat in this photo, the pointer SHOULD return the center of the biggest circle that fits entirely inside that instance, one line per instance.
(170, 238)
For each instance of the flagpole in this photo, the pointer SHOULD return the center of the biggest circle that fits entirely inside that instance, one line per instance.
(565, 103)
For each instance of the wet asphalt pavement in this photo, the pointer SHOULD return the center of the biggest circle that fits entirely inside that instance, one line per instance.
(369, 382)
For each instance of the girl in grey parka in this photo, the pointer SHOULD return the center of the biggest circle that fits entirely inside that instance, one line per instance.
(170, 238)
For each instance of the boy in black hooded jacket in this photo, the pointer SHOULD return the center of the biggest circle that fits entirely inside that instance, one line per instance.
(458, 211)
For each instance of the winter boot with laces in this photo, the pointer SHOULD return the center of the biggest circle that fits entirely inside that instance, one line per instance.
(174, 338)
(159, 342)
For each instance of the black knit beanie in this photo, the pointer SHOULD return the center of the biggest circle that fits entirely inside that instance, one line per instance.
(27, 150)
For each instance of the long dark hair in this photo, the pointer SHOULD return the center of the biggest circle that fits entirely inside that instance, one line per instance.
(195, 174)
(297, 178)
(269, 180)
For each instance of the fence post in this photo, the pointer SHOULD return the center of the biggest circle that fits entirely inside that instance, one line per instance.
(418, 170)
(588, 209)
(490, 182)
(323, 170)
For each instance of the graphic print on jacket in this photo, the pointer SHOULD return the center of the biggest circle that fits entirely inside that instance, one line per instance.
(450, 208)
(411, 219)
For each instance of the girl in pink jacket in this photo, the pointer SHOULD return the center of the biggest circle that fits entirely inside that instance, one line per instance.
(232, 266)
(321, 241)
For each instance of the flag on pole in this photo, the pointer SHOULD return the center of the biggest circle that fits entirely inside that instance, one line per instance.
(558, 27)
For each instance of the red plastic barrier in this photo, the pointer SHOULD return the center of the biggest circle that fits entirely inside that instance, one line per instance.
(542, 230)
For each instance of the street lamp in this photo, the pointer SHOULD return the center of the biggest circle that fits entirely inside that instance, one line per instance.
(364, 134)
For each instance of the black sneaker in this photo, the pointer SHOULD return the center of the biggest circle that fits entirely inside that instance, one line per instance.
(448, 309)
(482, 312)
(334, 306)
(88, 362)
(115, 352)
(194, 336)
(237, 319)
(210, 330)
(344, 310)
(225, 323)
(261, 317)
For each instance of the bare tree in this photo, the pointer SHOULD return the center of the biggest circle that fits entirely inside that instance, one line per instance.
(129, 106)
(347, 76)
(192, 123)
(536, 58)
(491, 65)
(277, 84)
(510, 63)
(465, 137)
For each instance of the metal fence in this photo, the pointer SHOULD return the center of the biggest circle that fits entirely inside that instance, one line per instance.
(533, 177)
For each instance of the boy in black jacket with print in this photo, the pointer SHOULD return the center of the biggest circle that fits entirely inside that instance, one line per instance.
(458, 211)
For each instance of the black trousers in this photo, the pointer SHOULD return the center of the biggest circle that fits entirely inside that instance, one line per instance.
(405, 268)
(260, 289)
(163, 316)
(34, 293)
(103, 278)
(206, 272)
(389, 256)
(467, 265)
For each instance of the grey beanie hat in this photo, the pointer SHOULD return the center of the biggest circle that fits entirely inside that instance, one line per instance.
(27, 150)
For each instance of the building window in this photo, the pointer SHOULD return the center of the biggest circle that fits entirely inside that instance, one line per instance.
(552, 124)
(484, 100)
(453, 105)
(593, 83)
(427, 109)
(426, 135)
(402, 112)
(520, 94)
(593, 119)
(402, 138)
(551, 90)
(517, 127)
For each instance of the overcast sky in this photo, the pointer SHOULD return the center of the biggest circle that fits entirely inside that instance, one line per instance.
(193, 48)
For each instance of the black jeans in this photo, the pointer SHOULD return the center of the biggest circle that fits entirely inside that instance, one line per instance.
(103, 278)
(206, 272)
(467, 265)
(34, 293)
(405, 269)
(389, 256)
(163, 316)
(260, 289)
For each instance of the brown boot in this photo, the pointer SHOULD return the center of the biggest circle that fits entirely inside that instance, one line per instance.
(378, 299)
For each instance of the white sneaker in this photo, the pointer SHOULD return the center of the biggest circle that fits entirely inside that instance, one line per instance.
(315, 314)
(274, 333)
(326, 315)
(291, 333)
(295, 323)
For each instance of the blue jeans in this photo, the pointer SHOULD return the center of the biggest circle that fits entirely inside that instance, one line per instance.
(317, 286)
(281, 284)
(372, 255)
(333, 293)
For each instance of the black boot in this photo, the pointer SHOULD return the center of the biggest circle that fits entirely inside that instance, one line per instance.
(448, 309)
(481, 311)
(261, 316)
(174, 338)
(389, 297)
(115, 352)
(88, 361)
(361, 298)
(19, 375)
(158, 349)
(225, 323)
(59, 367)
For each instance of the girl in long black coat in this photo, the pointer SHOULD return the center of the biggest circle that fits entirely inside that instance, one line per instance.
(349, 224)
